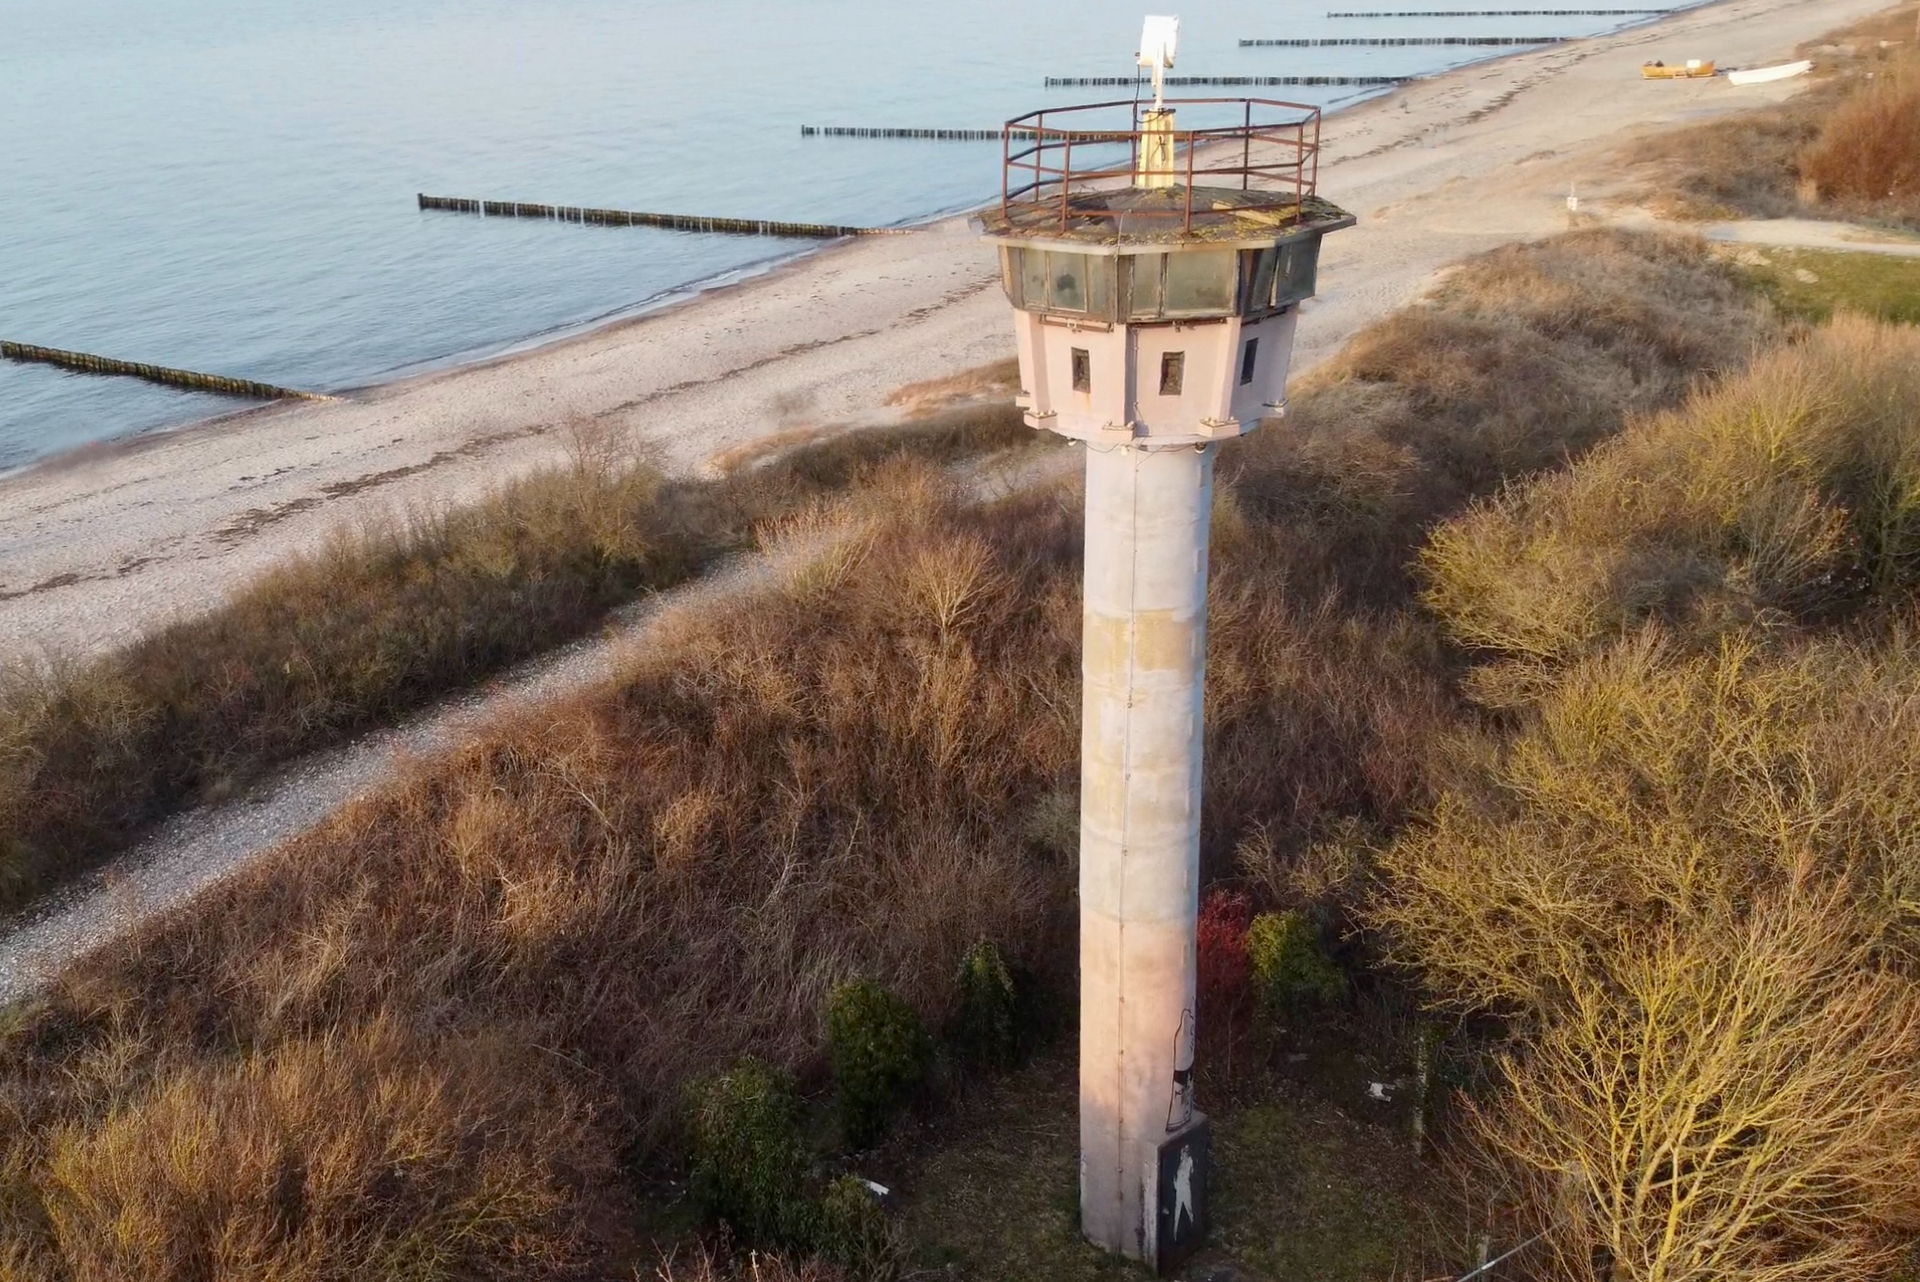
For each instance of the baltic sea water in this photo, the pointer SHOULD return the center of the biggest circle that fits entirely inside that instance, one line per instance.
(228, 185)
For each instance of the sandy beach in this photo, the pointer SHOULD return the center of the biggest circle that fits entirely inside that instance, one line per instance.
(99, 545)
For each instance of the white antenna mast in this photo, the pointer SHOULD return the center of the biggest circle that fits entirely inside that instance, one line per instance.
(1157, 44)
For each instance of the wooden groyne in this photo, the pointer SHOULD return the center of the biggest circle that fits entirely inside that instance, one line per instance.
(1499, 13)
(87, 363)
(671, 222)
(937, 135)
(961, 135)
(1397, 41)
(1095, 82)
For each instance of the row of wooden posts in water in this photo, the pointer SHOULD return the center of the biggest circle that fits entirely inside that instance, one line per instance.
(632, 218)
(1401, 41)
(1089, 82)
(192, 380)
(959, 135)
(1497, 13)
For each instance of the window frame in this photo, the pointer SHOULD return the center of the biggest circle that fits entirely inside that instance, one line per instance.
(1173, 373)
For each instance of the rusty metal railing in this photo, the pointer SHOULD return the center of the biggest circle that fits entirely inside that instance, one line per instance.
(1043, 174)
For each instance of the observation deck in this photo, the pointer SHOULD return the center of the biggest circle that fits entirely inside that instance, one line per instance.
(1244, 176)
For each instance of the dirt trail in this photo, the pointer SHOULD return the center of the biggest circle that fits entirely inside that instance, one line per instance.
(1783, 233)
(195, 850)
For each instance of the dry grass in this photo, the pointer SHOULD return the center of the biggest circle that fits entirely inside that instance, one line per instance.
(378, 624)
(1524, 359)
(858, 767)
(1789, 495)
(1868, 154)
(705, 1266)
(1845, 146)
(1686, 876)
(1690, 883)
(1000, 379)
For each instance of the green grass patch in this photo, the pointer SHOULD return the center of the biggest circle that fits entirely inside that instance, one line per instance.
(1301, 1192)
(1813, 284)
(1304, 1193)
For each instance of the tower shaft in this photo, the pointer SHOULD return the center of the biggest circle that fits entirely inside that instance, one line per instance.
(1143, 670)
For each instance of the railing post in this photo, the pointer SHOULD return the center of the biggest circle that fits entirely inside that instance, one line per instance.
(1315, 182)
(1066, 176)
(1246, 149)
(1006, 166)
(1187, 226)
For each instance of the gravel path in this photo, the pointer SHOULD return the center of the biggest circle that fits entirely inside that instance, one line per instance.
(197, 849)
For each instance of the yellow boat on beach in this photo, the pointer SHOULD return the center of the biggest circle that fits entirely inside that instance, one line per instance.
(1694, 70)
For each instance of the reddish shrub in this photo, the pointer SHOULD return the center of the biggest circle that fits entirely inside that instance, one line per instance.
(1224, 968)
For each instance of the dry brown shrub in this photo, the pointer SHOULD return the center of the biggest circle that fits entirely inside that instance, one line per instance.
(857, 765)
(1833, 149)
(1737, 1100)
(1867, 156)
(1789, 493)
(1688, 882)
(380, 622)
(358, 1154)
(830, 776)
(703, 1265)
(1523, 359)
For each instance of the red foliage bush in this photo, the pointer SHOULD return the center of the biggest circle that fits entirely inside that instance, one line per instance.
(1225, 971)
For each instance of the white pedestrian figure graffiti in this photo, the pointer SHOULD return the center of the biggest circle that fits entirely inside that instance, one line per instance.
(1183, 1193)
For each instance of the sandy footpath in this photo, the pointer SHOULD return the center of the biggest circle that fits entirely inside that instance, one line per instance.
(101, 544)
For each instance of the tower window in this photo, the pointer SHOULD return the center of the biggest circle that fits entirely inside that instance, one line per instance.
(1082, 370)
(1173, 369)
(1247, 357)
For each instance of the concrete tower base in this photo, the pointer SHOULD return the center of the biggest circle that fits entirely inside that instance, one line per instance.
(1142, 730)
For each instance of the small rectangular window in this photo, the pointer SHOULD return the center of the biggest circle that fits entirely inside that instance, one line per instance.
(1082, 370)
(1069, 288)
(1247, 357)
(1201, 283)
(1143, 276)
(1033, 278)
(1173, 368)
(1257, 271)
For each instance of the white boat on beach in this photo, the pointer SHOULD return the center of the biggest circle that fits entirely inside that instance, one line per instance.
(1761, 75)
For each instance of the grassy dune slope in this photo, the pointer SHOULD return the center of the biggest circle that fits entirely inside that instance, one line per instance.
(479, 992)
(379, 624)
(1687, 874)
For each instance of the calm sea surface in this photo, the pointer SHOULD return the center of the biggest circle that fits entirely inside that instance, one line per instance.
(228, 185)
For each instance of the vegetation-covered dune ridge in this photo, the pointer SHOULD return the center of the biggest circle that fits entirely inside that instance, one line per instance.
(859, 768)
(379, 624)
(1687, 876)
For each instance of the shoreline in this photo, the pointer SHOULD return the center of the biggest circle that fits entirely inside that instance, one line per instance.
(691, 291)
(104, 542)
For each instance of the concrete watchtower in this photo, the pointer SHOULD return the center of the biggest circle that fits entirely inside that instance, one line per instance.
(1155, 271)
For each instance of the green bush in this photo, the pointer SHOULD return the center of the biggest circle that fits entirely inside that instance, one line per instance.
(856, 1234)
(986, 1030)
(1291, 971)
(748, 1163)
(880, 1052)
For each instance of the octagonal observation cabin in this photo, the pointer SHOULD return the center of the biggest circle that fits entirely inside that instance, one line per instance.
(1156, 271)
